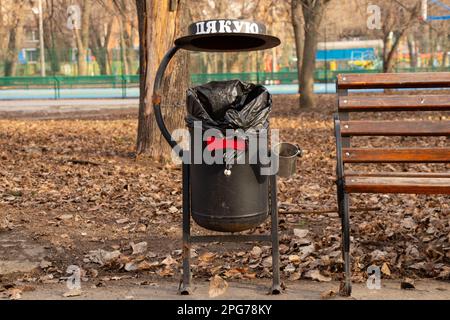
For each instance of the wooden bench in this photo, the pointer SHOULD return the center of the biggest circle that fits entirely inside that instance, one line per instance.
(393, 182)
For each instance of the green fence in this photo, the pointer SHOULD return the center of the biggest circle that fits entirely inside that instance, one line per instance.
(291, 77)
(55, 85)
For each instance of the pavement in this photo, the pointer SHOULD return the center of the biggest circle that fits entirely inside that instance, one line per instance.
(70, 105)
(117, 93)
(140, 289)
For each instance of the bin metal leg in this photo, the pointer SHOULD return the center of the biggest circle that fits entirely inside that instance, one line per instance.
(186, 282)
(276, 288)
(185, 287)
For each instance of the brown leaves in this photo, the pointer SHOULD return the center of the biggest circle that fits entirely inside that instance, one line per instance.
(80, 208)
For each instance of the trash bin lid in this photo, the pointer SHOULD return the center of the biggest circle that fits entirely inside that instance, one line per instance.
(223, 35)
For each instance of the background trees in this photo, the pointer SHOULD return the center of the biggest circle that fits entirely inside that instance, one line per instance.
(313, 12)
(13, 32)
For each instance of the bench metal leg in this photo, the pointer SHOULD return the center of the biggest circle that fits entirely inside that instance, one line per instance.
(346, 290)
(185, 288)
(276, 287)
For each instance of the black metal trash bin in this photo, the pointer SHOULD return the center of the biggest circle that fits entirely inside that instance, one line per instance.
(225, 197)
(229, 198)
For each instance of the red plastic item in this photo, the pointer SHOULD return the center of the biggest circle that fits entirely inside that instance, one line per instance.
(226, 144)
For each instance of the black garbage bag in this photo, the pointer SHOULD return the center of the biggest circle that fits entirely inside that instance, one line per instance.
(229, 105)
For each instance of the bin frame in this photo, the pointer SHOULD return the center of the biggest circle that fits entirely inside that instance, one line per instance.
(188, 239)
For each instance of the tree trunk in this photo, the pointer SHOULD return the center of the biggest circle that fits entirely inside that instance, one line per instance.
(123, 49)
(313, 11)
(412, 51)
(445, 49)
(433, 41)
(82, 38)
(99, 44)
(14, 45)
(158, 28)
(129, 42)
(389, 53)
(299, 31)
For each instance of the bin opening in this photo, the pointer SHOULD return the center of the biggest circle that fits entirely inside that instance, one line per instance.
(227, 105)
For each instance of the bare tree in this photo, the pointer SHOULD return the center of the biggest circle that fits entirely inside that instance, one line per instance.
(82, 37)
(101, 24)
(15, 34)
(397, 18)
(297, 23)
(313, 11)
(160, 22)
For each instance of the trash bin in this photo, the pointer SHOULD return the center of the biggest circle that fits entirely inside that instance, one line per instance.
(227, 197)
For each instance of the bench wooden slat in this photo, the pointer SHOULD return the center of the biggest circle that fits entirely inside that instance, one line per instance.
(406, 155)
(394, 80)
(399, 174)
(397, 185)
(395, 128)
(391, 103)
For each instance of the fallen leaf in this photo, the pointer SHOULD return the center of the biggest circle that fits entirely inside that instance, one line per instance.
(169, 261)
(307, 251)
(73, 293)
(295, 276)
(378, 255)
(328, 294)
(15, 294)
(139, 248)
(267, 262)
(103, 257)
(207, 257)
(146, 266)
(294, 259)
(122, 221)
(385, 269)
(65, 217)
(256, 252)
(232, 273)
(173, 210)
(317, 276)
(45, 264)
(409, 223)
(301, 233)
(289, 268)
(217, 287)
(167, 272)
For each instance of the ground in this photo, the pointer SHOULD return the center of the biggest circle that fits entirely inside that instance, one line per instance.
(72, 193)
